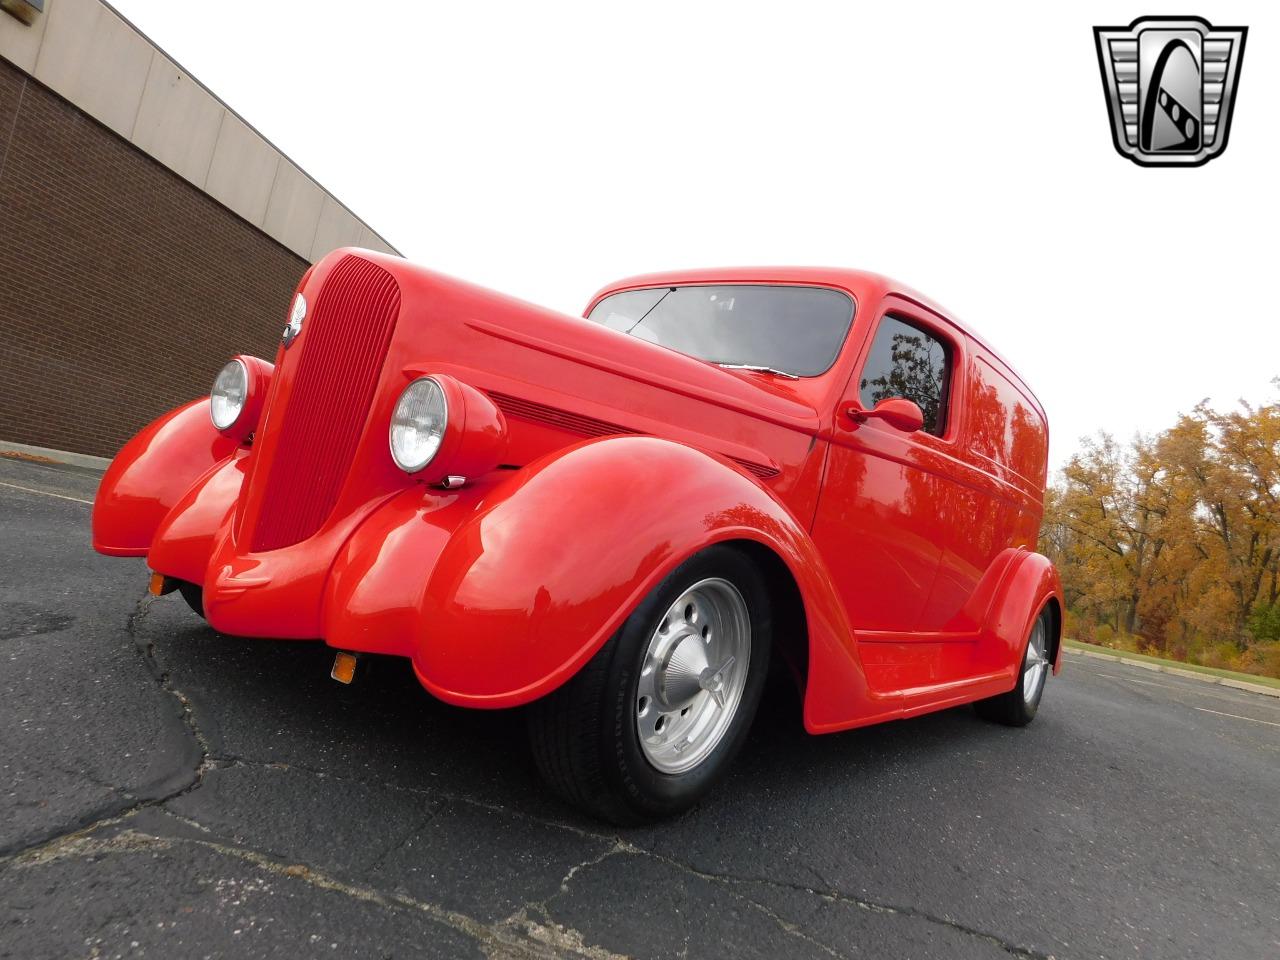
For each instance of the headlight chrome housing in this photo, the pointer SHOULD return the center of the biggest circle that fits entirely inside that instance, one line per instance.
(238, 395)
(419, 424)
(445, 432)
(229, 395)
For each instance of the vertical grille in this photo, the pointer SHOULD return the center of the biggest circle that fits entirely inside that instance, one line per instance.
(343, 345)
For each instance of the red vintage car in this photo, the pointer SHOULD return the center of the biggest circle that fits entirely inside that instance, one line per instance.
(618, 520)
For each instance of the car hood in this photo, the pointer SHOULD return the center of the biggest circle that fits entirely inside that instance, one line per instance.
(570, 378)
(373, 324)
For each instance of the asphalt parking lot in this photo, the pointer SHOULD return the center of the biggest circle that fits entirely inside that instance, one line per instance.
(171, 792)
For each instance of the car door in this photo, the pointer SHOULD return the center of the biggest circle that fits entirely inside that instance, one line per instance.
(886, 493)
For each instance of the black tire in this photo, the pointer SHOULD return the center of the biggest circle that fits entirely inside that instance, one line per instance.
(584, 735)
(194, 595)
(1014, 709)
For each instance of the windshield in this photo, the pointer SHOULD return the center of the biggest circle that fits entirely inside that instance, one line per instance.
(793, 330)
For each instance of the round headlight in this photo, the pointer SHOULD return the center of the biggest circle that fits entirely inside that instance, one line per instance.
(418, 424)
(230, 390)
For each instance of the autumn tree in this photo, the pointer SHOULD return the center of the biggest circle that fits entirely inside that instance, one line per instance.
(1173, 542)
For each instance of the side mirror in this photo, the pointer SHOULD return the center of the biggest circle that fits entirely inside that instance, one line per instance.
(898, 412)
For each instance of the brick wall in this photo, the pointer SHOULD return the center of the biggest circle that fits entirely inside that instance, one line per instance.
(123, 288)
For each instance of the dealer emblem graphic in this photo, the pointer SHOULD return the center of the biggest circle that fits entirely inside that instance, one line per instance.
(1170, 84)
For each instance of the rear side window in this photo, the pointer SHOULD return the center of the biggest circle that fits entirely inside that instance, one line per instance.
(907, 361)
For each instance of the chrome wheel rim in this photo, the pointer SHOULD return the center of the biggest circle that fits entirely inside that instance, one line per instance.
(693, 675)
(1037, 665)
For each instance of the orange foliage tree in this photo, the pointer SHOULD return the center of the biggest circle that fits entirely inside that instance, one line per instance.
(1171, 543)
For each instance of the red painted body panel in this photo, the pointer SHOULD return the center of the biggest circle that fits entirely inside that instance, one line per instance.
(150, 474)
(596, 463)
(185, 538)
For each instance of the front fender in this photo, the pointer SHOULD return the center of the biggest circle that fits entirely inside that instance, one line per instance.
(500, 597)
(150, 474)
(186, 537)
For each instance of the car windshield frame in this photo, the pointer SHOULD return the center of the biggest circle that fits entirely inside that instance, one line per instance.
(769, 365)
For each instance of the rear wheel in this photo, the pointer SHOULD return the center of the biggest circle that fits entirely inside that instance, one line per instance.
(1018, 707)
(653, 720)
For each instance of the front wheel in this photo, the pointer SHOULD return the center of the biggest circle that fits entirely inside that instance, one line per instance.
(654, 719)
(1018, 707)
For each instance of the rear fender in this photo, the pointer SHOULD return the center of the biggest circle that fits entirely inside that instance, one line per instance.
(151, 473)
(501, 594)
(1031, 582)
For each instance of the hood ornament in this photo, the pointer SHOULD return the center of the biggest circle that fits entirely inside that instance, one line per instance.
(296, 315)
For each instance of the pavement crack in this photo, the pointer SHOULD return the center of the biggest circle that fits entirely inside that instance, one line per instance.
(833, 895)
(519, 937)
(542, 908)
(413, 831)
(794, 929)
(621, 846)
(558, 939)
(36, 849)
(147, 650)
(104, 817)
(533, 921)
(546, 926)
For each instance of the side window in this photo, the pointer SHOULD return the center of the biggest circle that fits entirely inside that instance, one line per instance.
(906, 361)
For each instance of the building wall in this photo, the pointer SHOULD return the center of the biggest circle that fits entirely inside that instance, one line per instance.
(89, 55)
(123, 287)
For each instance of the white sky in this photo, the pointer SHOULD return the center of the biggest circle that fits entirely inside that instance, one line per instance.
(544, 149)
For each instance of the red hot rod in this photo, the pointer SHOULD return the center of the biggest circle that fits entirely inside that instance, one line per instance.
(618, 519)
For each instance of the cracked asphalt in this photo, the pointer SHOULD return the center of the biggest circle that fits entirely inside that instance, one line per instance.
(170, 792)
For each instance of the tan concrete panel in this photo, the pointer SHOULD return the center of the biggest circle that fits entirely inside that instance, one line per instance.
(20, 43)
(243, 170)
(293, 210)
(86, 53)
(337, 228)
(178, 121)
(95, 60)
(371, 241)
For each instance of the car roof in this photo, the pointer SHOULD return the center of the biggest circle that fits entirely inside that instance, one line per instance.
(861, 284)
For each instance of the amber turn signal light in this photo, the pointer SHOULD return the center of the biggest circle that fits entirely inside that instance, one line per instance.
(156, 586)
(344, 667)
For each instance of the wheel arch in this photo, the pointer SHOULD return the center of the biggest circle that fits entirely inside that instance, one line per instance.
(1031, 586)
(539, 577)
(789, 627)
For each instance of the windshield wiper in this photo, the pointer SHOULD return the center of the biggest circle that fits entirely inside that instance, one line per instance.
(756, 368)
(645, 315)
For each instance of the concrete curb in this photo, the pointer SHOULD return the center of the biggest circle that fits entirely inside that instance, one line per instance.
(99, 464)
(1175, 671)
